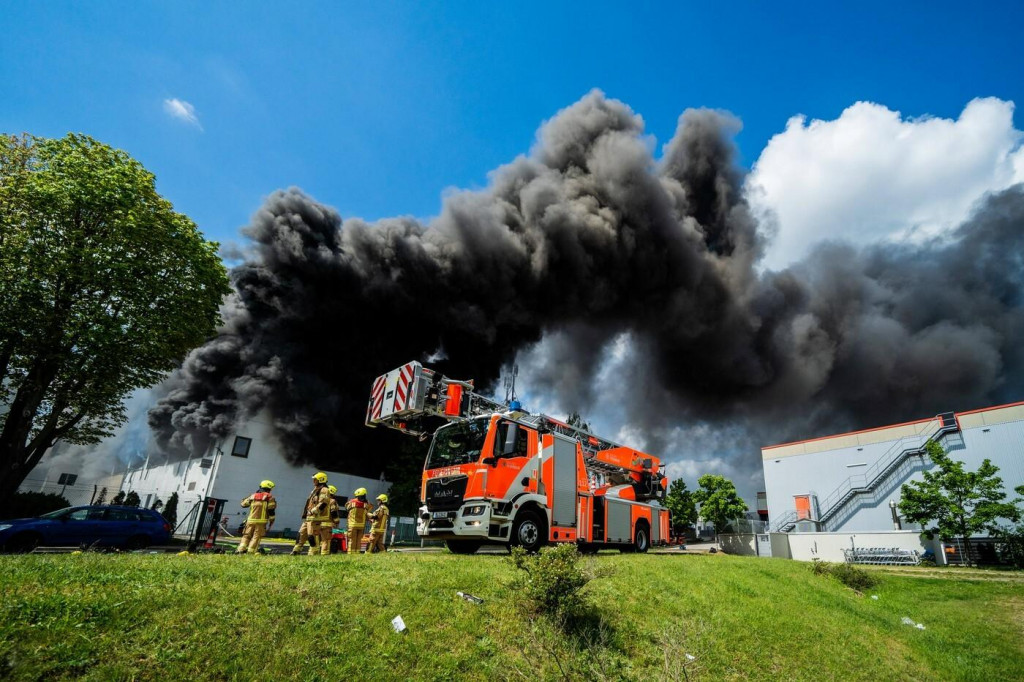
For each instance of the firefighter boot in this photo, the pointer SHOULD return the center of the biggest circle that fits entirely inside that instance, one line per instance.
(303, 535)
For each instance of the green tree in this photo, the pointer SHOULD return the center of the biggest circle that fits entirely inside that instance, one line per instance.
(404, 470)
(577, 421)
(103, 289)
(101, 499)
(680, 503)
(157, 504)
(952, 502)
(170, 511)
(718, 501)
(118, 499)
(132, 499)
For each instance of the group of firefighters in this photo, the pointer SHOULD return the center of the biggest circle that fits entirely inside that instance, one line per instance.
(320, 517)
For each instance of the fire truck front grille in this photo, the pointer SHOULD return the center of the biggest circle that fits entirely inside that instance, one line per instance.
(446, 493)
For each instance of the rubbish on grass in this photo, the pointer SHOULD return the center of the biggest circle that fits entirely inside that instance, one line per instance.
(875, 597)
(691, 657)
(77, 551)
(919, 626)
(398, 624)
(183, 553)
(908, 621)
(470, 598)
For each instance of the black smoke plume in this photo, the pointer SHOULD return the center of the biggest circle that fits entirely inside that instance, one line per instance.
(586, 240)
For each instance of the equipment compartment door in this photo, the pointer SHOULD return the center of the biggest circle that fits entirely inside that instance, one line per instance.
(563, 501)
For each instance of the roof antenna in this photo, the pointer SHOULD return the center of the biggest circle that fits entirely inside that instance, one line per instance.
(510, 388)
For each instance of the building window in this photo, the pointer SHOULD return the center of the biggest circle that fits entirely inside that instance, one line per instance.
(241, 447)
(192, 485)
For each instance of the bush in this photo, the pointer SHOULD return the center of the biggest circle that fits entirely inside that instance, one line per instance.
(25, 505)
(551, 582)
(848, 574)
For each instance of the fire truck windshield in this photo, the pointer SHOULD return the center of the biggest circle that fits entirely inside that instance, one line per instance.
(457, 443)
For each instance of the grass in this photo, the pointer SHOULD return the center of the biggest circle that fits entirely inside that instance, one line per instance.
(167, 617)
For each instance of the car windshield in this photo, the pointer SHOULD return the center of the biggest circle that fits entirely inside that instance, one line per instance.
(457, 443)
(56, 514)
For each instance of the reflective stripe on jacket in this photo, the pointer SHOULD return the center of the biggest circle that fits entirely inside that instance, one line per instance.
(261, 507)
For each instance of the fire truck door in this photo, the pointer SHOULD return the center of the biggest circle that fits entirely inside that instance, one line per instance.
(563, 501)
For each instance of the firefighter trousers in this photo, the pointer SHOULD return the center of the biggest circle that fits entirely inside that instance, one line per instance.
(251, 538)
(325, 532)
(355, 538)
(377, 542)
(301, 540)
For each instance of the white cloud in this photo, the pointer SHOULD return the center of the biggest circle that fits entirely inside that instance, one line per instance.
(182, 110)
(872, 174)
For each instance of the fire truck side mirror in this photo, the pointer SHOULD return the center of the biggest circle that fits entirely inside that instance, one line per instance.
(490, 461)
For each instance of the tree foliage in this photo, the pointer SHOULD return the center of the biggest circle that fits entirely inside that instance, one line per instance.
(681, 504)
(103, 289)
(118, 499)
(25, 505)
(718, 500)
(132, 499)
(952, 502)
(170, 511)
(576, 420)
(101, 499)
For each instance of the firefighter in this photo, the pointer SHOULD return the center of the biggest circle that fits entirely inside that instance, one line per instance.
(379, 525)
(317, 517)
(357, 509)
(335, 511)
(262, 506)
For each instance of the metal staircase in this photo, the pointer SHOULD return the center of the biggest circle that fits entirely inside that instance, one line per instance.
(876, 474)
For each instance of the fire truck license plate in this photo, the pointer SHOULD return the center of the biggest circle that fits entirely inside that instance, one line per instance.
(440, 515)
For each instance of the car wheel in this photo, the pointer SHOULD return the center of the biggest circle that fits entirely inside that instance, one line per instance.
(529, 531)
(22, 543)
(462, 546)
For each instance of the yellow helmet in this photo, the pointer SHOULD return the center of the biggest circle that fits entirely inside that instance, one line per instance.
(267, 484)
(382, 497)
(334, 491)
(360, 491)
(320, 477)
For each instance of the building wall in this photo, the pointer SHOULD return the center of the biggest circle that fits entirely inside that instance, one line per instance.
(820, 466)
(234, 478)
(824, 546)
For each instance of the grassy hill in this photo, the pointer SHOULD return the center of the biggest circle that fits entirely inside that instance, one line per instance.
(160, 617)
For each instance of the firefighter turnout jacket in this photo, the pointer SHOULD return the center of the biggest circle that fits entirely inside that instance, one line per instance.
(379, 519)
(262, 506)
(318, 505)
(335, 512)
(357, 510)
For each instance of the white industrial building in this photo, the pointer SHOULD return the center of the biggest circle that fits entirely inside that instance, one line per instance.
(851, 482)
(231, 470)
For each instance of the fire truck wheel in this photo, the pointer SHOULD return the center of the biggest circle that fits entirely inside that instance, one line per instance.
(642, 539)
(529, 531)
(462, 546)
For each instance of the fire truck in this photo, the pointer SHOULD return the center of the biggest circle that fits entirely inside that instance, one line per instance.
(496, 474)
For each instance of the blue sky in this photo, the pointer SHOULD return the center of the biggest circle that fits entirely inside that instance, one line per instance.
(377, 108)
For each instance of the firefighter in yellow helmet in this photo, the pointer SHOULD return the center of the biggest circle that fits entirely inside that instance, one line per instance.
(262, 506)
(317, 517)
(357, 509)
(379, 525)
(335, 511)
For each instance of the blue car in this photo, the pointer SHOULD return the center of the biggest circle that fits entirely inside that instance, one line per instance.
(126, 527)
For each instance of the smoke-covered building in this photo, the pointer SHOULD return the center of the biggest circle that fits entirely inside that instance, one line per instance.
(231, 469)
(852, 481)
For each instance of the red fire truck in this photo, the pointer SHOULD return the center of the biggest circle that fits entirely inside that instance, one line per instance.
(496, 474)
